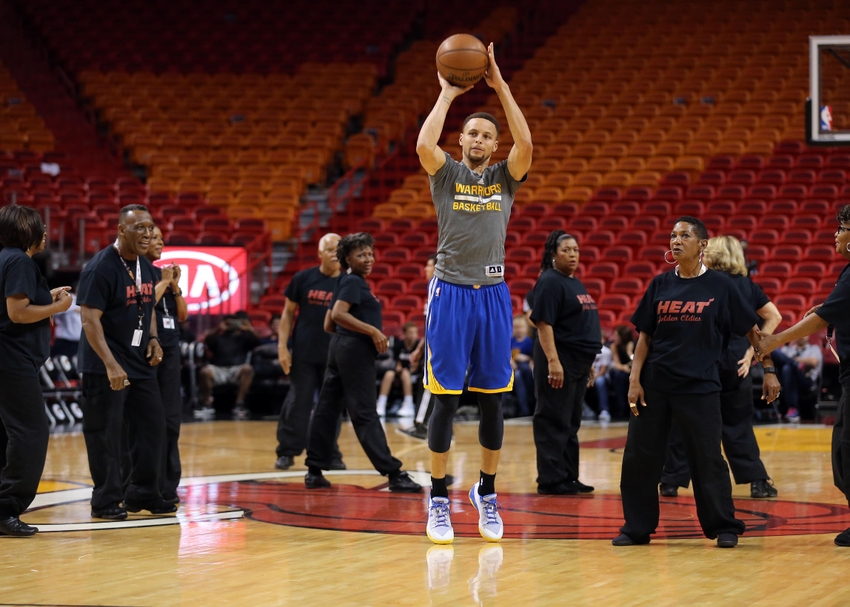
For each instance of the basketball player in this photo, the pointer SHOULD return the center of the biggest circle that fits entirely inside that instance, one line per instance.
(469, 320)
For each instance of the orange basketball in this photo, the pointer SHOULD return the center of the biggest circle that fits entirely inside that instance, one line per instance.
(462, 59)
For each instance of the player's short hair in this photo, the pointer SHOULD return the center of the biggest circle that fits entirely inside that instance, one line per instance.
(556, 237)
(20, 227)
(140, 208)
(483, 115)
(844, 214)
(698, 226)
(352, 242)
(725, 253)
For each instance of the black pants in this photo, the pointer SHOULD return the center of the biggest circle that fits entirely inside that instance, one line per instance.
(557, 420)
(349, 384)
(739, 440)
(23, 442)
(104, 413)
(168, 377)
(293, 426)
(841, 444)
(698, 417)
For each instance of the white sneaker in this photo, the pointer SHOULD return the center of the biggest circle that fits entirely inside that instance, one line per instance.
(483, 584)
(489, 522)
(604, 416)
(406, 410)
(382, 409)
(439, 527)
(439, 559)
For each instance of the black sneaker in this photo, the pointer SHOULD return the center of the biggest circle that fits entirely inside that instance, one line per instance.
(15, 527)
(727, 540)
(154, 506)
(316, 481)
(843, 538)
(669, 490)
(558, 489)
(338, 465)
(112, 512)
(402, 483)
(171, 498)
(417, 431)
(763, 488)
(582, 488)
(284, 462)
(626, 540)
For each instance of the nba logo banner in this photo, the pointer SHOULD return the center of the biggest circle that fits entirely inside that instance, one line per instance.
(214, 280)
(826, 118)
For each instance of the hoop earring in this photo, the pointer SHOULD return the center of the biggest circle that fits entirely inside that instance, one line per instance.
(672, 263)
(848, 247)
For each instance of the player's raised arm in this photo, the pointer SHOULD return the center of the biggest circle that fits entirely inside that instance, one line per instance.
(427, 146)
(519, 160)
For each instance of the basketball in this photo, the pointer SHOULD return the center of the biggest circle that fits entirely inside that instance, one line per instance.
(462, 59)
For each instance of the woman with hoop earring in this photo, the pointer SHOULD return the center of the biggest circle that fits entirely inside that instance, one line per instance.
(685, 320)
(725, 254)
(834, 312)
(569, 337)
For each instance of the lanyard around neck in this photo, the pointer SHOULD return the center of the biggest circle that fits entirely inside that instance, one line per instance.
(137, 279)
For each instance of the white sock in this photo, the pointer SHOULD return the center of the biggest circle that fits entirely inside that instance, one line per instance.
(382, 402)
(408, 401)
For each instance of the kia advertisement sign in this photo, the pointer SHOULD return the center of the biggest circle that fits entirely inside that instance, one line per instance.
(214, 280)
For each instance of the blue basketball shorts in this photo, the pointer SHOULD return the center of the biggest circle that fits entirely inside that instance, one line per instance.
(468, 327)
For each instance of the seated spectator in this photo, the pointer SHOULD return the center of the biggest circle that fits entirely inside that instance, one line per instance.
(67, 328)
(522, 350)
(228, 347)
(403, 371)
(274, 327)
(622, 352)
(601, 366)
(799, 365)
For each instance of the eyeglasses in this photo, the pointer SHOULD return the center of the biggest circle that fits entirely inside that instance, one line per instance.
(841, 230)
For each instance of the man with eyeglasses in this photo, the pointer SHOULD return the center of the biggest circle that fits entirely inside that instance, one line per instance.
(119, 350)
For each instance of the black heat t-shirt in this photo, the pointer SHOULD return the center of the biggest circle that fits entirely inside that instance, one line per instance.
(564, 303)
(105, 284)
(738, 344)
(690, 321)
(313, 292)
(836, 311)
(166, 307)
(365, 306)
(23, 347)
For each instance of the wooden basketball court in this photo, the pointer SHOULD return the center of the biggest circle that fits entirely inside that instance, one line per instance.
(247, 534)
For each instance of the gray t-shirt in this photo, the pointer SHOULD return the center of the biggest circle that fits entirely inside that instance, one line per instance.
(472, 217)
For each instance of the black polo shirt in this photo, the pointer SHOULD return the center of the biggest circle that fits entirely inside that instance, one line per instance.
(23, 347)
(365, 306)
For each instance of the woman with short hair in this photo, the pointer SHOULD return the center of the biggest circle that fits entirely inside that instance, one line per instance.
(834, 312)
(24, 346)
(355, 321)
(685, 319)
(725, 254)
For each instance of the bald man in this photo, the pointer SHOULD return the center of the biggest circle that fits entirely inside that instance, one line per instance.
(309, 292)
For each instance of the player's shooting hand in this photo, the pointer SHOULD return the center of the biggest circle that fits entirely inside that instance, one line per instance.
(450, 90)
(493, 75)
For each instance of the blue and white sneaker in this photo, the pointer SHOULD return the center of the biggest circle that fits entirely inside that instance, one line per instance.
(439, 527)
(489, 522)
